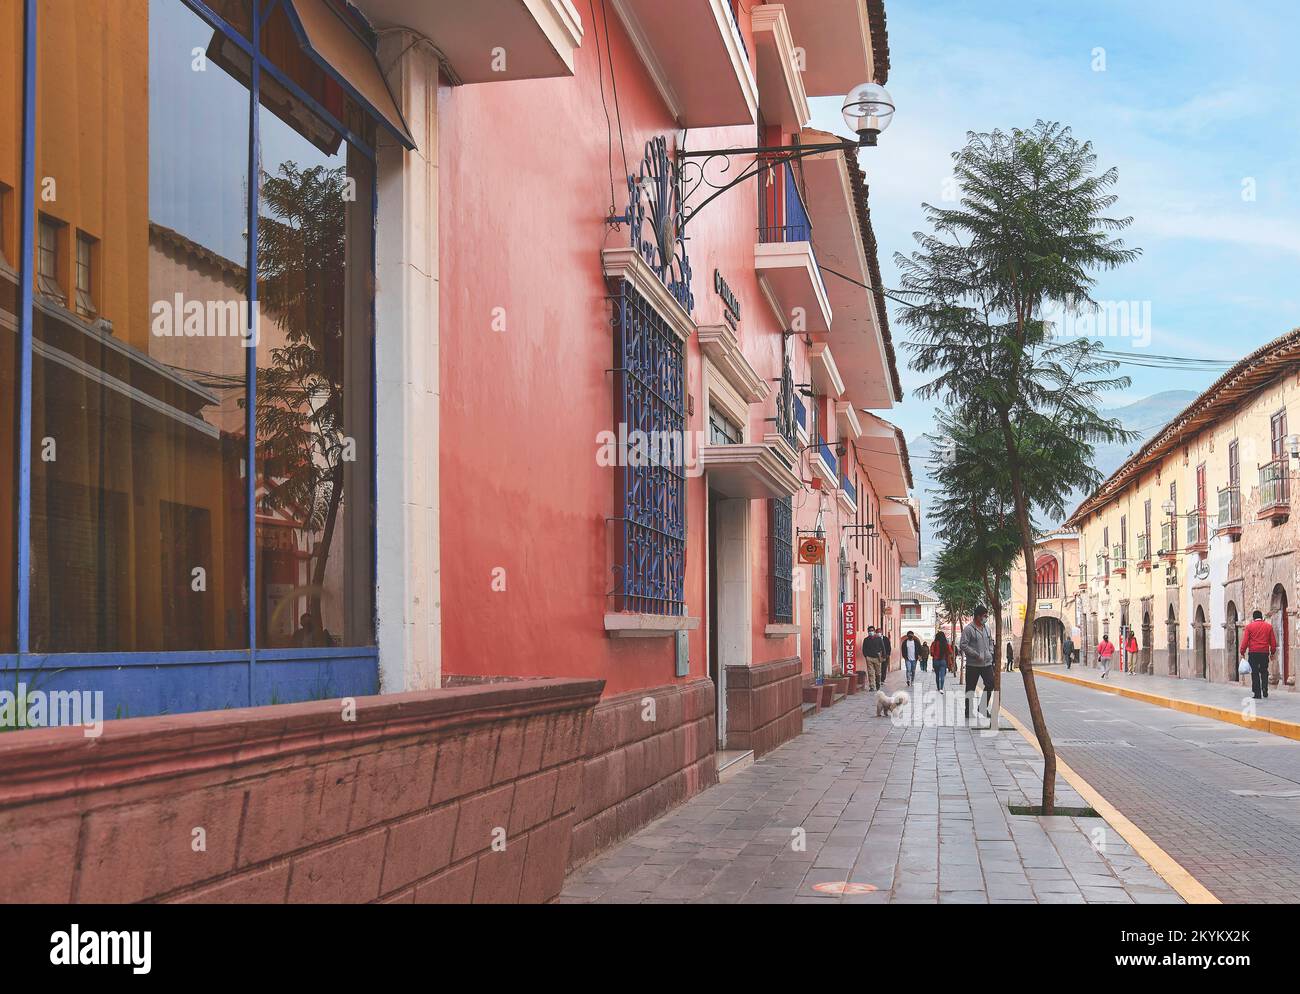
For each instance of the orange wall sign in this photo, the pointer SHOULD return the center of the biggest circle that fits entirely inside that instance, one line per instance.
(812, 550)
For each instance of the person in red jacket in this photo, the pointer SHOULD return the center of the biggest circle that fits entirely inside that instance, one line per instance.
(1258, 643)
(1104, 651)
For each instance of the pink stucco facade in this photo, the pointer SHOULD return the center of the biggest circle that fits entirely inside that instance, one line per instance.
(525, 176)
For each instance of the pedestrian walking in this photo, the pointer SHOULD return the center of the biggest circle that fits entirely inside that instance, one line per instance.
(1011, 656)
(925, 655)
(884, 659)
(1258, 643)
(911, 651)
(1068, 651)
(873, 648)
(1105, 650)
(977, 646)
(1130, 652)
(942, 654)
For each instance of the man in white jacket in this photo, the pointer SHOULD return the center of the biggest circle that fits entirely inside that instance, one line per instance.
(977, 646)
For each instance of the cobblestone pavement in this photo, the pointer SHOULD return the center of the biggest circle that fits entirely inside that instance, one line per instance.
(1283, 702)
(917, 812)
(1222, 800)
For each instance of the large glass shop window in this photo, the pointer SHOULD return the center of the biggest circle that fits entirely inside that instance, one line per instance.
(11, 124)
(314, 396)
(139, 442)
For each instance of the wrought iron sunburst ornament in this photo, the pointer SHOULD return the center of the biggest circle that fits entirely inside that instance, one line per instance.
(654, 214)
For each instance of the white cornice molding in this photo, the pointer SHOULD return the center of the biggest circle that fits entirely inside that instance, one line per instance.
(825, 370)
(772, 17)
(720, 344)
(626, 264)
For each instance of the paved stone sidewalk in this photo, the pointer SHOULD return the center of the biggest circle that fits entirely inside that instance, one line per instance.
(918, 812)
(1282, 702)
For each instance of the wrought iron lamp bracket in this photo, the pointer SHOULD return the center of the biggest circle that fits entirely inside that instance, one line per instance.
(765, 157)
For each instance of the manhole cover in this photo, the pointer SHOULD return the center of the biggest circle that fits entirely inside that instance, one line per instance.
(844, 887)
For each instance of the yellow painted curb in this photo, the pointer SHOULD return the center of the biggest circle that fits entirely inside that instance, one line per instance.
(1188, 887)
(1274, 726)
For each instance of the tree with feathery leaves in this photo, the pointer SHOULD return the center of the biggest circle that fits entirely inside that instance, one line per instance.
(1031, 229)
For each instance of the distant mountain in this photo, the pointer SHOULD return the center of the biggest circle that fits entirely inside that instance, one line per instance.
(1146, 417)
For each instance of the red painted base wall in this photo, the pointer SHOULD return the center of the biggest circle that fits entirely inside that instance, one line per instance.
(295, 804)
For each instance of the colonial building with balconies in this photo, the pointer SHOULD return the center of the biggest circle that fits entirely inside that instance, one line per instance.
(1209, 501)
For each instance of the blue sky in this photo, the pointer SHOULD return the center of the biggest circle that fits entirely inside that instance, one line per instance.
(1196, 98)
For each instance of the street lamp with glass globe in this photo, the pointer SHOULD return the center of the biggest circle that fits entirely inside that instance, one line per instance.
(868, 110)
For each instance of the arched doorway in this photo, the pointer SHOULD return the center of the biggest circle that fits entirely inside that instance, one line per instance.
(1232, 641)
(1147, 632)
(1171, 628)
(1198, 633)
(1282, 626)
(1049, 635)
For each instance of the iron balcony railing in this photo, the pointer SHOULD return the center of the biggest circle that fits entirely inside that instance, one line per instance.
(795, 225)
(849, 489)
(1167, 543)
(1230, 507)
(1274, 485)
(1144, 548)
(828, 456)
(1196, 528)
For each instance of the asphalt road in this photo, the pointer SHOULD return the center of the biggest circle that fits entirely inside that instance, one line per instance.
(1220, 799)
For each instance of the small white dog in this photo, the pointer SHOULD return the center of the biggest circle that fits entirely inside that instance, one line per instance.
(886, 704)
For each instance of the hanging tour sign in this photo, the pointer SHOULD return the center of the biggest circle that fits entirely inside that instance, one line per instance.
(732, 312)
(850, 637)
(812, 550)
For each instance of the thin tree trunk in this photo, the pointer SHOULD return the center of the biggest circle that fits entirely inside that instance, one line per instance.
(1031, 605)
(323, 550)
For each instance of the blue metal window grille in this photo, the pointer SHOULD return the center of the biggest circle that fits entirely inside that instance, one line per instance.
(141, 683)
(650, 400)
(850, 489)
(782, 518)
(785, 402)
(800, 413)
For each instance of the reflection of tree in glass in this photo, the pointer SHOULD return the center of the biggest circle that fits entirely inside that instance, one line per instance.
(300, 430)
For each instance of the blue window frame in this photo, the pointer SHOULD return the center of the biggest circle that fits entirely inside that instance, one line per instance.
(257, 667)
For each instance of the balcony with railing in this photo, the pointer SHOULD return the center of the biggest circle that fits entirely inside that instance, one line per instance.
(848, 495)
(1229, 520)
(1198, 531)
(784, 258)
(1168, 541)
(829, 464)
(1144, 552)
(789, 221)
(1119, 564)
(1274, 490)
